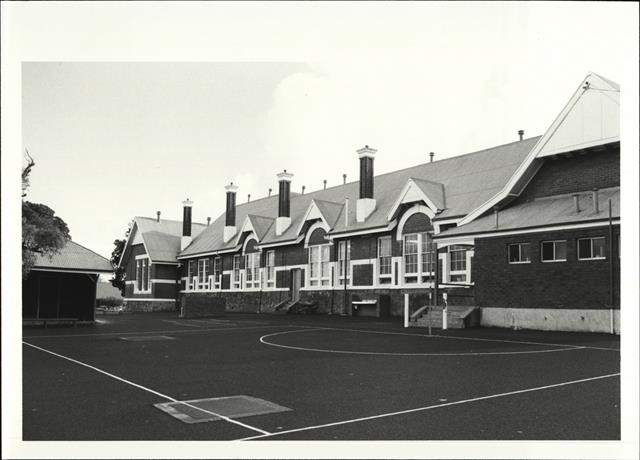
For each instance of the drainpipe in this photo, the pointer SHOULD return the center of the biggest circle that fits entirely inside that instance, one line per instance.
(610, 270)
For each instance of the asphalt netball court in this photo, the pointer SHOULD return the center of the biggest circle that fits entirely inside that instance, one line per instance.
(262, 377)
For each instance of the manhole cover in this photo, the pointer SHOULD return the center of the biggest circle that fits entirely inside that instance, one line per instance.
(208, 410)
(146, 338)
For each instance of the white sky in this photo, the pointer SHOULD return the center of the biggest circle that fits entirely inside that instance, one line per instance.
(115, 140)
(311, 83)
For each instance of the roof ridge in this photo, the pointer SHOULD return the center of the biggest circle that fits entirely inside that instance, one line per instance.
(167, 220)
(90, 250)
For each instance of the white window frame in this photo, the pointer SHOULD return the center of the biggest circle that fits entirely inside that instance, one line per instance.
(519, 261)
(386, 278)
(203, 277)
(344, 249)
(464, 272)
(542, 243)
(217, 280)
(236, 278)
(143, 275)
(591, 239)
(322, 255)
(422, 278)
(252, 270)
(270, 262)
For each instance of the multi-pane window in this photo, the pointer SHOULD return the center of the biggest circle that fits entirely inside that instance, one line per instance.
(428, 257)
(143, 269)
(236, 271)
(419, 257)
(191, 274)
(591, 248)
(344, 259)
(217, 272)
(203, 274)
(457, 263)
(271, 268)
(553, 251)
(319, 271)
(519, 253)
(384, 260)
(252, 270)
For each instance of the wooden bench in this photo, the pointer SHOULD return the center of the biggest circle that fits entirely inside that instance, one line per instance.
(44, 321)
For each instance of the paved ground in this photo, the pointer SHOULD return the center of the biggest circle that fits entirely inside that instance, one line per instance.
(342, 378)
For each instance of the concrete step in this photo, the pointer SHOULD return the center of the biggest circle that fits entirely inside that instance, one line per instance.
(457, 318)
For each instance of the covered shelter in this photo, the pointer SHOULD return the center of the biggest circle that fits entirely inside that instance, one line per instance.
(62, 287)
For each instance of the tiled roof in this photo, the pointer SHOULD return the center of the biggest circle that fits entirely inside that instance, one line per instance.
(74, 257)
(549, 210)
(162, 239)
(468, 180)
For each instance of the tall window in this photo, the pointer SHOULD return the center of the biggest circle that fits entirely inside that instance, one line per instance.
(384, 260)
(191, 274)
(252, 270)
(344, 254)
(519, 253)
(203, 274)
(217, 272)
(319, 272)
(236, 271)
(553, 251)
(458, 263)
(419, 257)
(271, 268)
(591, 248)
(143, 269)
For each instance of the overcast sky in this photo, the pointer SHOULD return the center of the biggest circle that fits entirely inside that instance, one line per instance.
(116, 140)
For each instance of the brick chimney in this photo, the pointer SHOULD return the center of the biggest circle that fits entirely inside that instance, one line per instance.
(366, 203)
(230, 213)
(283, 220)
(186, 224)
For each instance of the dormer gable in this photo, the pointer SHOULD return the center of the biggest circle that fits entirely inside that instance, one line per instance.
(326, 211)
(430, 193)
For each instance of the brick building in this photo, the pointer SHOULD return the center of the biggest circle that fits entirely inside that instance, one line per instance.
(426, 231)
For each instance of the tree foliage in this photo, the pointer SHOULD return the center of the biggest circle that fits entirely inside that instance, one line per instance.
(118, 280)
(43, 232)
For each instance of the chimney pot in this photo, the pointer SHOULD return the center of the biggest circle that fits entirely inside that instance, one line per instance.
(431, 155)
(521, 133)
(270, 191)
(324, 184)
(344, 178)
(158, 216)
(208, 221)
(248, 197)
(303, 187)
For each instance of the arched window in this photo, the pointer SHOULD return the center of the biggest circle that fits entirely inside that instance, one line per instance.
(319, 265)
(419, 250)
(251, 264)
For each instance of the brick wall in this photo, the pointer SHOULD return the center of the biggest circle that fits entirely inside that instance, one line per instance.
(571, 284)
(576, 174)
(147, 306)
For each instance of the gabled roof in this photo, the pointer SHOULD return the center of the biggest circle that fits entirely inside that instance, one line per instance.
(161, 239)
(259, 224)
(74, 258)
(590, 118)
(544, 211)
(469, 180)
(327, 211)
(431, 193)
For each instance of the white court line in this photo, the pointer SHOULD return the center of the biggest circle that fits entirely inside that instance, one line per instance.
(419, 409)
(179, 323)
(382, 353)
(174, 331)
(463, 338)
(129, 382)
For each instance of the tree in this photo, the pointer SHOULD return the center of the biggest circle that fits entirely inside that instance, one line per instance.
(119, 273)
(43, 232)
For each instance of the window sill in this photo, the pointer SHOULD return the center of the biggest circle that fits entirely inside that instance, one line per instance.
(520, 263)
(592, 258)
(553, 261)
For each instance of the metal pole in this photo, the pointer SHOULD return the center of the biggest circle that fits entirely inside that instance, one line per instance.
(406, 310)
(444, 312)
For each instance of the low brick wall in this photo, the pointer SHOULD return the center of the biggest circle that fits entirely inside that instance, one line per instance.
(552, 319)
(137, 306)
